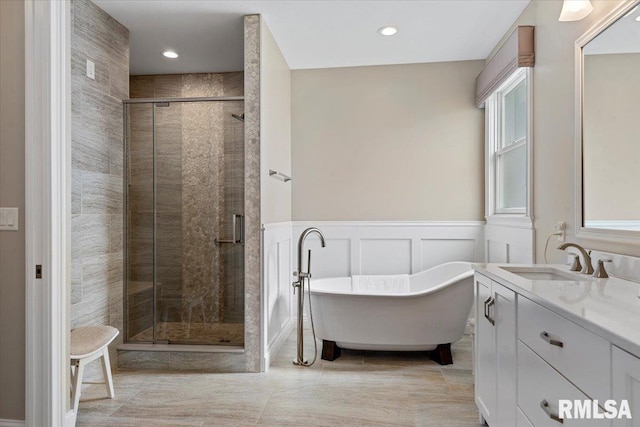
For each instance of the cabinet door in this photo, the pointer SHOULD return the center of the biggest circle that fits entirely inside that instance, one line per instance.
(485, 363)
(504, 314)
(626, 385)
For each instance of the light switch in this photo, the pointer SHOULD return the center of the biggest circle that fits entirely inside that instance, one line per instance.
(91, 70)
(9, 219)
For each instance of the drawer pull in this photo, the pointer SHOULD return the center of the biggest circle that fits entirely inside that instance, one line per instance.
(545, 407)
(545, 336)
(487, 307)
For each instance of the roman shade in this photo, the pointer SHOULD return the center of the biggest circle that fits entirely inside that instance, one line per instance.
(517, 51)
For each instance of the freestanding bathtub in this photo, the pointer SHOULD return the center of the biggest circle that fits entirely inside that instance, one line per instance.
(429, 317)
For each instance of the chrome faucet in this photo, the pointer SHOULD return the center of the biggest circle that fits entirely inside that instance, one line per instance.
(588, 267)
(302, 275)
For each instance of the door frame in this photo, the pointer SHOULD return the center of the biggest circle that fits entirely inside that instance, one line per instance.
(47, 211)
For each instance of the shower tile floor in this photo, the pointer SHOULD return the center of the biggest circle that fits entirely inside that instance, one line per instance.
(358, 389)
(195, 333)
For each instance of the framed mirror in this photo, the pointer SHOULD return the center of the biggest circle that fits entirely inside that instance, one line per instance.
(608, 127)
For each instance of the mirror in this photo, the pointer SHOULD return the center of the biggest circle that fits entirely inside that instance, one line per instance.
(610, 125)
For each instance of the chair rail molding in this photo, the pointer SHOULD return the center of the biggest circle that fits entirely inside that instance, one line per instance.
(48, 211)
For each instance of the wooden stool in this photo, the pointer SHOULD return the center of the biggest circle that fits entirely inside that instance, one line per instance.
(89, 343)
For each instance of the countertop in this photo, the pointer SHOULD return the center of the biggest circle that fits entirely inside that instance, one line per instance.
(610, 308)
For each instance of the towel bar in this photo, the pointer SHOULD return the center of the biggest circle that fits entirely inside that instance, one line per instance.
(279, 175)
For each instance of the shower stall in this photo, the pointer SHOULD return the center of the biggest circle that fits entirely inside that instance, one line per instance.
(184, 225)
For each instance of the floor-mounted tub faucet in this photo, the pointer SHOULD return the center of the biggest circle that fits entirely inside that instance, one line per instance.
(299, 284)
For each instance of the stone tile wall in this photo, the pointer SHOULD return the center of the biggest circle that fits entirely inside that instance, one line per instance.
(252, 283)
(97, 168)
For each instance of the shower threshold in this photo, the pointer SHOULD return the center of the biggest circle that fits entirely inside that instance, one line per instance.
(186, 334)
(182, 348)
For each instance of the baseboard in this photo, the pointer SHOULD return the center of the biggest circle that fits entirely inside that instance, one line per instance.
(273, 349)
(12, 423)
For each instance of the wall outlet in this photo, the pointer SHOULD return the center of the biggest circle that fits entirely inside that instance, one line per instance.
(561, 227)
(91, 70)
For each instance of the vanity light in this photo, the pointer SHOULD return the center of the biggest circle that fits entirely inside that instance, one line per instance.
(387, 30)
(575, 10)
(170, 54)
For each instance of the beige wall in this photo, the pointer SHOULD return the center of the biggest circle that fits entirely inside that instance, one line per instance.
(553, 121)
(275, 132)
(12, 262)
(398, 142)
(611, 146)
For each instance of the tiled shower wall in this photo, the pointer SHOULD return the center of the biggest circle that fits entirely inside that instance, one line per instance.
(97, 167)
(199, 185)
(250, 359)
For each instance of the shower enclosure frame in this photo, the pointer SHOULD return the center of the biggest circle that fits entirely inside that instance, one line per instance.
(125, 317)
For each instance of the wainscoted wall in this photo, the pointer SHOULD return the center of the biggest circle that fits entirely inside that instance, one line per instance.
(97, 168)
(355, 247)
(509, 244)
(277, 268)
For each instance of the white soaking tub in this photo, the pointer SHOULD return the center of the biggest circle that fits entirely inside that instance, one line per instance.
(427, 316)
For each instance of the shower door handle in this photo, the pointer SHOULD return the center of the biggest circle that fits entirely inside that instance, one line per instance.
(237, 236)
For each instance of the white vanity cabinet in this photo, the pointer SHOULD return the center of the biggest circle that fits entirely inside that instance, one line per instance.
(626, 384)
(537, 346)
(495, 344)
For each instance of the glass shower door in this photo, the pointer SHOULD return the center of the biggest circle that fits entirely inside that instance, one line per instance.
(139, 247)
(198, 206)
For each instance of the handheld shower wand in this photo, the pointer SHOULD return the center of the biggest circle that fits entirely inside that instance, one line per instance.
(299, 284)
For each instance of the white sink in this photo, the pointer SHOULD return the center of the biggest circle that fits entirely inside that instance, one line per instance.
(546, 273)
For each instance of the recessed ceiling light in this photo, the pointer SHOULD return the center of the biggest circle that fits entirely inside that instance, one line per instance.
(387, 30)
(638, 18)
(170, 54)
(631, 11)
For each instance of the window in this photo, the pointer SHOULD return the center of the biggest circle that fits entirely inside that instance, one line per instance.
(507, 116)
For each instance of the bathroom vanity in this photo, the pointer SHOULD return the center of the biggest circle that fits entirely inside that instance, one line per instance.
(543, 334)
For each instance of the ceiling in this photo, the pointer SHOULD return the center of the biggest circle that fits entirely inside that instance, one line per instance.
(208, 35)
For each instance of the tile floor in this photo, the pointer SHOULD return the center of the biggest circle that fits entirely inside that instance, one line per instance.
(358, 389)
